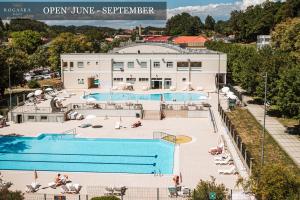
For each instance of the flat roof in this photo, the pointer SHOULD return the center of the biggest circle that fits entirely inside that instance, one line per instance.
(179, 49)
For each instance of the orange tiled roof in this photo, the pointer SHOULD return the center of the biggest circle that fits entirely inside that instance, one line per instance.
(189, 39)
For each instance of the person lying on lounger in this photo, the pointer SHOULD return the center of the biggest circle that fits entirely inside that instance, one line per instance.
(216, 150)
(136, 124)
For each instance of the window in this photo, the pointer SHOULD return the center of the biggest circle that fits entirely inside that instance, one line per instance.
(196, 64)
(156, 64)
(80, 81)
(182, 64)
(183, 79)
(130, 64)
(118, 66)
(118, 79)
(65, 64)
(96, 63)
(169, 64)
(30, 117)
(143, 64)
(44, 117)
(143, 79)
(80, 64)
(71, 64)
(130, 79)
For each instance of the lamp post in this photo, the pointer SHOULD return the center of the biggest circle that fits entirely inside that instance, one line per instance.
(218, 81)
(264, 124)
(9, 85)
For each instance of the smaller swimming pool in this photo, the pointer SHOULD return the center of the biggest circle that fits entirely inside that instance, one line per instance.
(167, 96)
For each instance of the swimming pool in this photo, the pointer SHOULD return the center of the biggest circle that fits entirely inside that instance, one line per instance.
(62, 152)
(168, 96)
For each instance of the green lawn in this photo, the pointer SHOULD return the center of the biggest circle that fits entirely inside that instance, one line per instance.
(250, 131)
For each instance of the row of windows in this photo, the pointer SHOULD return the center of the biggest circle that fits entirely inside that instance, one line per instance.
(131, 79)
(121, 65)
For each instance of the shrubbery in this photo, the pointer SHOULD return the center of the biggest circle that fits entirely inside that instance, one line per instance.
(33, 84)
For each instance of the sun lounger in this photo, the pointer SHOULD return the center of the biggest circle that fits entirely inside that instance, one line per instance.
(221, 157)
(231, 170)
(71, 188)
(85, 125)
(109, 191)
(33, 187)
(52, 185)
(119, 191)
(118, 125)
(228, 160)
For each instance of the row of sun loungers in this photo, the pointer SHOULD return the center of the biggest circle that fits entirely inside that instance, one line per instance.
(179, 192)
(115, 191)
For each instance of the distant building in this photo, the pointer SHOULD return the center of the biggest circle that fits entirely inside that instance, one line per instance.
(190, 41)
(263, 40)
(159, 39)
(225, 39)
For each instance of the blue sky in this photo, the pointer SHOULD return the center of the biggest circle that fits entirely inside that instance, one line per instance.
(219, 9)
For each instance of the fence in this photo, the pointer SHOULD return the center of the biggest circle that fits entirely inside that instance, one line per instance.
(131, 193)
(164, 136)
(105, 106)
(189, 106)
(237, 140)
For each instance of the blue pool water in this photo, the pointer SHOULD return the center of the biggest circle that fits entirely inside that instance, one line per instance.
(56, 152)
(177, 96)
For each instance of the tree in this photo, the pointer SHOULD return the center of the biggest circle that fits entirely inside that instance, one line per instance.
(286, 36)
(15, 60)
(288, 87)
(67, 43)
(184, 24)
(205, 187)
(17, 25)
(28, 41)
(209, 23)
(272, 182)
(95, 38)
(6, 194)
(40, 58)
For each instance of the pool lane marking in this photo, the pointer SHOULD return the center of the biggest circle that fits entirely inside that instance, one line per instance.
(72, 162)
(70, 154)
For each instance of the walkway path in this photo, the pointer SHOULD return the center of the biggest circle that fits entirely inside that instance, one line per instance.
(289, 143)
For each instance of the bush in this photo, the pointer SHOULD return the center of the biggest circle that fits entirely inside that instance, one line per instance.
(272, 182)
(105, 198)
(205, 187)
(33, 84)
(274, 111)
(6, 194)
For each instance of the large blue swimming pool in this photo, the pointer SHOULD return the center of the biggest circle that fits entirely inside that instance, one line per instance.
(168, 96)
(57, 152)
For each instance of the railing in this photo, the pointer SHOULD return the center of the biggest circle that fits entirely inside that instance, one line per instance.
(164, 136)
(213, 121)
(237, 140)
(132, 193)
(32, 109)
(71, 131)
(188, 106)
(104, 106)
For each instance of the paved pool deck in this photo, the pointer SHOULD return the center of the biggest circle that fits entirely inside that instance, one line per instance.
(194, 162)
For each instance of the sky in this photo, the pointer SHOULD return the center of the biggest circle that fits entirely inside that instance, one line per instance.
(219, 9)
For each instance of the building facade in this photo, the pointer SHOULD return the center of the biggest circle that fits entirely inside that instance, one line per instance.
(144, 65)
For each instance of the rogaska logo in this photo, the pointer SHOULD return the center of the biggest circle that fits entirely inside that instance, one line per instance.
(16, 11)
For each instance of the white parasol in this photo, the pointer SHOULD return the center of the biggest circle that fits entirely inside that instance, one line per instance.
(38, 92)
(31, 94)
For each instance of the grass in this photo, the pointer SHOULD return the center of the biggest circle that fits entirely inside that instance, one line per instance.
(250, 131)
(288, 122)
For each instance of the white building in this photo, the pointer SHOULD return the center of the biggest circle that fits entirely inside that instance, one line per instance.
(144, 65)
(263, 40)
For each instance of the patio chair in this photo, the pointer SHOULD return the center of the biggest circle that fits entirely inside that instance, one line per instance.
(74, 188)
(184, 192)
(85, 125)
(172, 192)
(109, 191)
(227, 161)
(229, 171)
(33, 187)
(119, 191)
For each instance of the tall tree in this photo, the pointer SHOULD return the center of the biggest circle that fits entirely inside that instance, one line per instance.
(209, 23)
(67, 43)
(28, 41)
(184, 24)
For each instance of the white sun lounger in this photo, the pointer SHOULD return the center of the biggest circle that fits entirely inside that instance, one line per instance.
(221, 157)
(71, 188)
(231, 170)
(33, 187)
(223, 162)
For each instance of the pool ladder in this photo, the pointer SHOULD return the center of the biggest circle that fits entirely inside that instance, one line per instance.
(157, 173)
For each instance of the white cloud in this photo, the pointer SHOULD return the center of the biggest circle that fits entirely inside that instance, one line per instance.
(220, 10)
